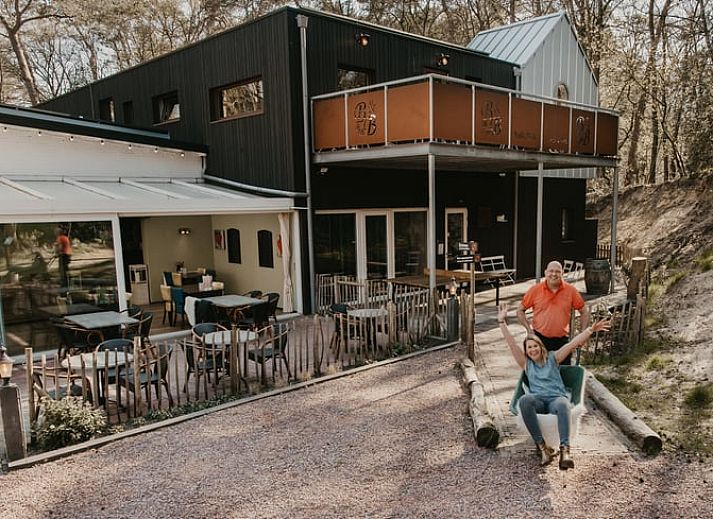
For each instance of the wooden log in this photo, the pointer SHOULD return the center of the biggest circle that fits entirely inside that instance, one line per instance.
(630, 424)
(639, 266)
(486, 434)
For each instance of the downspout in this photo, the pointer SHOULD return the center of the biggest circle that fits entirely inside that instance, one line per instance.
(517, 72)
(302, 22)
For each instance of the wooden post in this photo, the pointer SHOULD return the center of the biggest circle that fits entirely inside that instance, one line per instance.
(11, 421)
(234, 360)
(137, 375)
(486, 434)
(639, 266)
(630, 424)
(30, 385)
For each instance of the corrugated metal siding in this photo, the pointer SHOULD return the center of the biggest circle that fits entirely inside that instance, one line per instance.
(266, 150)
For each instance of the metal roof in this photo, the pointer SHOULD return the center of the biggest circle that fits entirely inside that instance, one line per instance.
(517, 42)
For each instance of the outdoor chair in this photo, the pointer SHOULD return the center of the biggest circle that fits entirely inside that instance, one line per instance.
(167, 304)
(179, 301)
(177, 279)
(345, 327)
(56, 383)
(272, 299)
(254, 317)
(168, 278)
(153, 367)
(114, 345)
(272, 346)
(73, 339)
(255, 294)
(199, 360)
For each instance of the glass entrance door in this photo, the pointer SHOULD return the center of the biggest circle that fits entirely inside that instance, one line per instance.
(376, 246)
(456, 231)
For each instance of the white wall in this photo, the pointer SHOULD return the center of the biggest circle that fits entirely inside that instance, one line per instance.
(163, 246)
(247, 275)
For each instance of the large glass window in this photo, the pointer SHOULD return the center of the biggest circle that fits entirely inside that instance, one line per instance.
(50, 271)
(237, 100)
(335, 243)
(409, 243)
(234, 253)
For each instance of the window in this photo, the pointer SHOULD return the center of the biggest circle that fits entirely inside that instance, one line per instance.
(128, 110)
(106, 110)
(562, 92)
(264, 249)
(353, 78)
(237, 100)
(166, 108)
(335, 243)
(409, 243)
(566, 230)
(234, 255)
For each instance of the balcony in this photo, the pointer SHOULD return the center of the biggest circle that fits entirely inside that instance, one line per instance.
(473, 125)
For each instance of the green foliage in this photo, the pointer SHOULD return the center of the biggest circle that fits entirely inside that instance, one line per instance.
(68, 421)
(700, 397)
(705, 260)
(157, 415)
(657, 363)
(674, 279)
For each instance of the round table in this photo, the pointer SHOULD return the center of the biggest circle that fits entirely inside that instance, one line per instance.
(115, 358)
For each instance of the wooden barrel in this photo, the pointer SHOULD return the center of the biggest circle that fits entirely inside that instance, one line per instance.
(597, 276)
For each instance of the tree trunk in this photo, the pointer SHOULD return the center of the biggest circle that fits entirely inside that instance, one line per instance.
(26, 76)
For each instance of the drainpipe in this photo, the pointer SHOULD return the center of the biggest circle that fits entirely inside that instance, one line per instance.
(302, 21)
(517, 72)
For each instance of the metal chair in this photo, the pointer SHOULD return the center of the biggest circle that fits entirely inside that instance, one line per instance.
(179, 300)
(272, 299)
(273, 341)
(202, 362)
(253, 293)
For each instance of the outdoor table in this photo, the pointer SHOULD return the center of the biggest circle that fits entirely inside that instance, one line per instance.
(222, 337)
(370, 316)
(233, 301)
(72, 309)
(98, 320)
(114, 359)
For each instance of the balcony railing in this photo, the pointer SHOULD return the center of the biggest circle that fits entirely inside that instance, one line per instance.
(433, 108)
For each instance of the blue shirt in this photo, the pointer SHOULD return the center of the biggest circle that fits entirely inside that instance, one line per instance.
(546, 380)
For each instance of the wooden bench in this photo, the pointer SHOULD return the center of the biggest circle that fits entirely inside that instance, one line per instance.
(493, 263)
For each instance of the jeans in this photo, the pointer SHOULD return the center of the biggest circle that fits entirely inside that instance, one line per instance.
(531, 405)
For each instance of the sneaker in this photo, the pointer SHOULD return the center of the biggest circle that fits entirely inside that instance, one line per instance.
(546, 453)
(566, 462)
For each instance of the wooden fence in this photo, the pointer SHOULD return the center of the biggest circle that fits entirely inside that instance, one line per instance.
(624, 253)
(145, 377)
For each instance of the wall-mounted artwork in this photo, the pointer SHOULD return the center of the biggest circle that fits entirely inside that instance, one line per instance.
(219, 238)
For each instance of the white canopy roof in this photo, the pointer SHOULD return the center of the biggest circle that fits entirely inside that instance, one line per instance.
(32, 196)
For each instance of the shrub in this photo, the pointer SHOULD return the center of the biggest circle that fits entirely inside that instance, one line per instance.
(700, 397)
(68, 421)
(656, 363)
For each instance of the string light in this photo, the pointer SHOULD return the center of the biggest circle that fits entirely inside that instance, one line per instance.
(101, 142)
(4, 129)
(71, 138)
(39, 133)
(130, 146)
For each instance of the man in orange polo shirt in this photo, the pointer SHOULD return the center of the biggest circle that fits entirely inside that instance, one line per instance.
(551, 301)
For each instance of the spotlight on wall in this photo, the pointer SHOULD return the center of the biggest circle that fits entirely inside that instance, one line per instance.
(362, 39)
(442, 60)
(184, 231)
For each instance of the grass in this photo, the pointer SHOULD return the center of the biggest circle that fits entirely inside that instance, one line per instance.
(699, 398)
(705, 260)
(657, 363)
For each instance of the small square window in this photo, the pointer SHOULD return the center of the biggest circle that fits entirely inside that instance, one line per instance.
(237, 100)
(353, 78)
(166, 108)
(106, 110)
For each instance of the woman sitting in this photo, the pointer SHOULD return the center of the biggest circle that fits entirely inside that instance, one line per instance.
(547, 392)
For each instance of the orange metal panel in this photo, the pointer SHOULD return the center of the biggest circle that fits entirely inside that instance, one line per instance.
(556, 129)
(583, 132)
(329, 124)
(366, 118)
(452, 112)
(526, 124)
(491, 117)
(607, 134)
(408, 112)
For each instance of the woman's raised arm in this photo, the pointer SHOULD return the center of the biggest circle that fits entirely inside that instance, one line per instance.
(517, 352)
(581, 338)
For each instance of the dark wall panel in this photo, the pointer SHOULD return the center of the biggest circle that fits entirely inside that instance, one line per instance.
(558, 194)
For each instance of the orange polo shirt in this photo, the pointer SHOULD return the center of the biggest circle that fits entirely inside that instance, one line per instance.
(552, 309)
(64, 245)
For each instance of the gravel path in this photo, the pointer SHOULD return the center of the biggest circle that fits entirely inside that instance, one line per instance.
(395, 441)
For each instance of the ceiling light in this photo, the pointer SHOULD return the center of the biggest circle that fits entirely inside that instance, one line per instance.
(442, 60)
(362, 39)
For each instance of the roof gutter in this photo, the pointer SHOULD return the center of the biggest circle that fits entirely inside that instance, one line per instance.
(257, 189)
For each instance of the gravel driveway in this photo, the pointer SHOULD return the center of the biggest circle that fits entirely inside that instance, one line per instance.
(395, 441)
